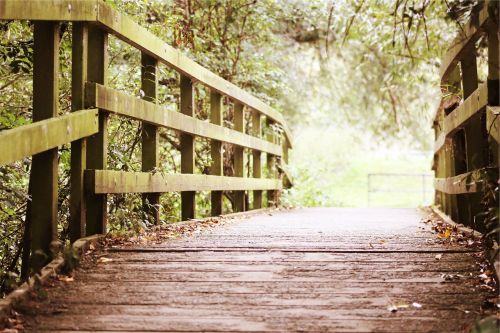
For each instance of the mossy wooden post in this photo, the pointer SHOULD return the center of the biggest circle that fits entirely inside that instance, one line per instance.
(271, 164)
(494, 62)
(494, 81)
(451, 149)
(475, 140)
(150, 134)
(78, 207)
(97, 144)
(43, 177)
(216, 110)
(239, 156)
(439, 197)
(256, 157)
(436, 160)
(188, 210)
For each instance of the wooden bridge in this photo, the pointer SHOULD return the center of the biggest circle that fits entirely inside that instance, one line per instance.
(340, 270)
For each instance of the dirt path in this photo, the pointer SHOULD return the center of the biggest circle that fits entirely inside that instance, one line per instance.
(338, 270)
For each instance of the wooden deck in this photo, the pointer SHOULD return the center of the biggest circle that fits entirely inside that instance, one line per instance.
(337, 270)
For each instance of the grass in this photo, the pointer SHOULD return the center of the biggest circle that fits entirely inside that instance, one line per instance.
(331, 169)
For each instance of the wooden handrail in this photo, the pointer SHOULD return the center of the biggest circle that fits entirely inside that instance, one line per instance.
(459, 117)
(465, 40)
(470, 182)
(92, 104)
(126, 29)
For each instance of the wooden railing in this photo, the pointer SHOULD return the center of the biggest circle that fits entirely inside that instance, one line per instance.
(86, 127)
(467, 127)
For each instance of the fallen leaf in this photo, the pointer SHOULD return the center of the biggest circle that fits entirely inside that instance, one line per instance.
(91, 247)
(446, 234)
(402, 306)
(65, 278)
(392, 308)
(438, 256)
(381, 241)
(416, 305)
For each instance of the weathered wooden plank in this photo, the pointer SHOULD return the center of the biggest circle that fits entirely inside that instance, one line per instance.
(231, 321)
(188, 198)
(470, 182)
(41, 136)
(78, 206)
(108, 181)
(55, 10)
(113, 101)
(43, 186)
(131, 32)
(239, 156)
(458, 118)
(216, 152)
(97, 144)
(150, 135)
(465, 40)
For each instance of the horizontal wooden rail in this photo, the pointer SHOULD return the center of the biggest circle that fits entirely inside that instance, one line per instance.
(471, 107)
(114, 101)
(466, 38)
(41, 136)
(59, 10)
(107, 181)
(470, 182)
(131, 32)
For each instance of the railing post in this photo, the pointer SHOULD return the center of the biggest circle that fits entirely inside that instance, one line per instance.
(216, 151)
(271, 165)
(494, 81)
(475, 140)
(239, 156)
(42, 213)
(256, 157)
(79, 147)
(451, 150)
(284, 162)
(97, 144)
(150, 134)
(188, 203)
(494, 62)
